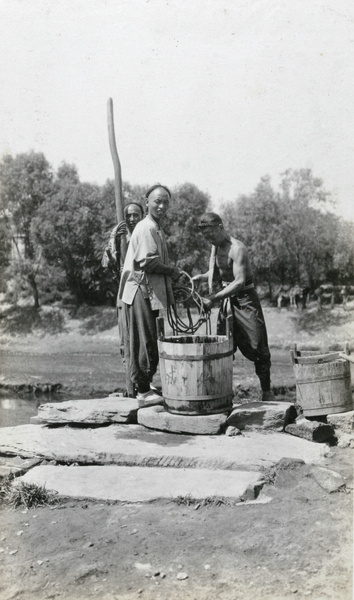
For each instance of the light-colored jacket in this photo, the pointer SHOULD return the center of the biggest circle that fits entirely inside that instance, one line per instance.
(147, 247)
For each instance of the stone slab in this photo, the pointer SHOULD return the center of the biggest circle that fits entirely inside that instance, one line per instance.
(262, 415)
(156, 417)
(135, 445)
(310, 430)
(96, 411)
(342, 422)
(329, 480)
(141, 484)
(16, 465)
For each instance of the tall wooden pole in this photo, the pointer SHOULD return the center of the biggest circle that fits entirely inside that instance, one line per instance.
(118, 191)
(118, 187)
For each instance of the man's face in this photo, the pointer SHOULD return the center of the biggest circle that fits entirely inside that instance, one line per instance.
(212, 233)
(158, 203)
(132, 216)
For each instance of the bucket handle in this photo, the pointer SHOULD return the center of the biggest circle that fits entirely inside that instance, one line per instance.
(160, 326)
(294, 354)
(229, 328)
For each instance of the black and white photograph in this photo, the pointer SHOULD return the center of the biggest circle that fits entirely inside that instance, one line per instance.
(176, 299)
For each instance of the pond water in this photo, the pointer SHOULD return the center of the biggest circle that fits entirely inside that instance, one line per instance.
(18, 410)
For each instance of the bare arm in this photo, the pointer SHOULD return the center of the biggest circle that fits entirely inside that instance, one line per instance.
(239, 264)
(239, 269)
(201, 277)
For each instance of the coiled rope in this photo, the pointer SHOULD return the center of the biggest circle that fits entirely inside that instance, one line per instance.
(186, 296)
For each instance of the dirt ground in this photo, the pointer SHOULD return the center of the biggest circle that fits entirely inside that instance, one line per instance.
(82, 353)
(299, 544)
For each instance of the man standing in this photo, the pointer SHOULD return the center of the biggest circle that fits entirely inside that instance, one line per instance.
(146, 288)
(112, 258)
(230, 266)
(133, 213)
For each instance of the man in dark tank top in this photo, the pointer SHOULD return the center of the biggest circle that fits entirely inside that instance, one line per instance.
(230, 267)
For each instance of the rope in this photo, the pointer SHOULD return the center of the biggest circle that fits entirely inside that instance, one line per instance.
(186, 296)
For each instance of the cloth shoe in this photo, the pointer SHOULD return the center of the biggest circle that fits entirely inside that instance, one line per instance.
(154, 389)
(150, 398)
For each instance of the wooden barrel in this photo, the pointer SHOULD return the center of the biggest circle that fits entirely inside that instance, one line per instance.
(323, 383)
(196, 373)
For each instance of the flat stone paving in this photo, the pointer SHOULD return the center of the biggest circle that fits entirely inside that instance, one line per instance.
(95, 411)
(137, 446)
(131, 463)
(142, 484)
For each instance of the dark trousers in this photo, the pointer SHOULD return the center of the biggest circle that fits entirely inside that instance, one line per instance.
(249, 331)
(141, 326)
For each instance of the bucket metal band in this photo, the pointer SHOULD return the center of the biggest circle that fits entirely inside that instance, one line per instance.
(195, 358)
(327, 378)
(199, 399)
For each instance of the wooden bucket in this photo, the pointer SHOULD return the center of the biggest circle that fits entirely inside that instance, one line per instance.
(323, 383)
(196, 372)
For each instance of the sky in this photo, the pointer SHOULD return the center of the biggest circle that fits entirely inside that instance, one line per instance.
(214, 92)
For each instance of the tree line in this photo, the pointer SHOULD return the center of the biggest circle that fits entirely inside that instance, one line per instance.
(293, 234)
(54, 227)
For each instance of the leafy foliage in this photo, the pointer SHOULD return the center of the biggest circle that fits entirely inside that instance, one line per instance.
(65, 226)
(26, 182)
(54, 228)
(292, 234)
(256, 220)
(186, 245)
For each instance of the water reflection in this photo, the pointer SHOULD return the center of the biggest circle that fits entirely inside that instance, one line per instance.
(17, 410)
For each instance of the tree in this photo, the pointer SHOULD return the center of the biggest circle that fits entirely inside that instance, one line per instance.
(65, 226)
(26, 183)
(292, 234)
(186, 245)
(343, 255)
(256, 220)
(308, 230)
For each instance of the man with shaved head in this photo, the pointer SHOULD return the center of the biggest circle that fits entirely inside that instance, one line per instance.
(133, 213)
(230, 267)
(146, 288)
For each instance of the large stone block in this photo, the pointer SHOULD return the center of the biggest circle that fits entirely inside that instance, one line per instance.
(342, 422)
(329, 480)
(314, 431)
(141, 484)
(99, 411)
(262, 415)
(156, 417)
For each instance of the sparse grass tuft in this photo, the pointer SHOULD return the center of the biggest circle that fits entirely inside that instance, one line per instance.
(24, 494)
(5, 487)
(209, 501)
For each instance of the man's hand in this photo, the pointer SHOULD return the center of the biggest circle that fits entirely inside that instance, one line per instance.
(209, 302)
(200, 277)
(119, 229)
(175, 273)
